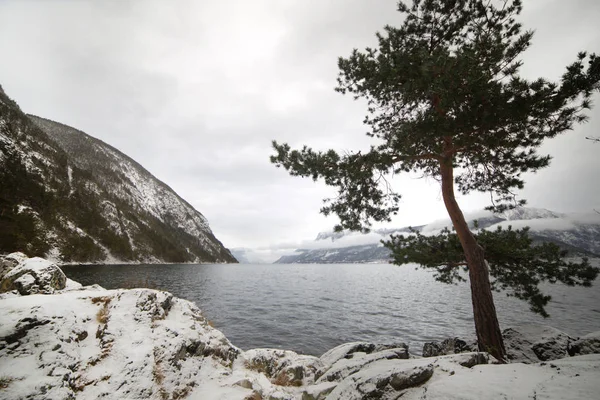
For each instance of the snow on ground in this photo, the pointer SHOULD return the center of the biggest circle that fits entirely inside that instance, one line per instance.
(90, 343)
(569, 378)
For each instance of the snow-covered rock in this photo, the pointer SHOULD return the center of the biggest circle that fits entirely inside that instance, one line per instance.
(30, 275)
(358, 360)
(347, 350)
(391, 379)
(588, 344)
(569, 378)
(533, 343)
(94, 343)
(285, 368)
(448, 346)
(382, 380)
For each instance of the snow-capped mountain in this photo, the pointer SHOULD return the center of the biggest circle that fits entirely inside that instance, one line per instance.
(74, 198)
(578, 233)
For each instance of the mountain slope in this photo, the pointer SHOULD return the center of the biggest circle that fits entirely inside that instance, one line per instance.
(579, 234)
(74, 198)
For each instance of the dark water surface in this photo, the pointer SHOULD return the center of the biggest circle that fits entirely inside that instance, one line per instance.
(312, 308)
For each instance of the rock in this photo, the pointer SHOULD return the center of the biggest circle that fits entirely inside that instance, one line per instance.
(8, 262)
(318, 391)
(49, 348)
(588, 344)
(30, 275)
(573, 378)
(534, 343)
(347, 350)
(384, 379)
(469, 360)
(358, 360)
(245, 383)
(394, 379)
(282, 367)
(448, 346)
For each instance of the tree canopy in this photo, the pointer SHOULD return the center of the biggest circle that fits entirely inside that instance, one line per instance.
(446, 100)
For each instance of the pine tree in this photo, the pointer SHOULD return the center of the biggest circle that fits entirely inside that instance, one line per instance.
(445, 99)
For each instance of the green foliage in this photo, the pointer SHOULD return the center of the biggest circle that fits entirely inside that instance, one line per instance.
(357, 177)
(20, 197)
(516, 265)
(81, 249)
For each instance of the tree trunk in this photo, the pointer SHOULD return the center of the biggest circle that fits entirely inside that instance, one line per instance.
(489, 336)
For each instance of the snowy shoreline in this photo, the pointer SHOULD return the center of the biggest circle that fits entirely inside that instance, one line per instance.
(60, 340)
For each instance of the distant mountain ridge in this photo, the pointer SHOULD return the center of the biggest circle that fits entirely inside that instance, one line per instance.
(579, 234)
(74, 198)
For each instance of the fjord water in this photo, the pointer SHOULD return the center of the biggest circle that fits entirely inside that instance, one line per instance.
(310, 308)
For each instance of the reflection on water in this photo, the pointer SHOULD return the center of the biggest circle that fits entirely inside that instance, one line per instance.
(312, 308)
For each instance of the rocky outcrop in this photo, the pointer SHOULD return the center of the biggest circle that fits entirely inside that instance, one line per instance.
(526, 343)
(347, 350)
(95, 343)
(448, 346)
(534, 343)
(284, 368)
(383, 380)
(30, 276)
(588, 344)
(356, 361)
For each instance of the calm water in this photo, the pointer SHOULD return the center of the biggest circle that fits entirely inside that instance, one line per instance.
(312, 308)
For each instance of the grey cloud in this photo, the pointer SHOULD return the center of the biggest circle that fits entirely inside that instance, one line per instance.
(196, 90)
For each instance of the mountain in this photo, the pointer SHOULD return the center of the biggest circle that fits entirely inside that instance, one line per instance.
(73, 198)
(577, 233)
(248, 256)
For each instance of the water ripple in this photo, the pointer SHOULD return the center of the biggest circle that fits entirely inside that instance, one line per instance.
(312, 308)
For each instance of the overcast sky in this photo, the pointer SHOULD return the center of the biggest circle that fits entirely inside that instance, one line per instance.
(196, 90)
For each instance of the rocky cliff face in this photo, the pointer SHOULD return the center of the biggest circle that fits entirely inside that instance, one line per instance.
(59, 340)
(579, 234)
(71, 197)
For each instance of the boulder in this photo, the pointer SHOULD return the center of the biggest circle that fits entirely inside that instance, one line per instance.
(383, 379)
(118, 344)
(347, 350)
(358, 360)
(30, 275)
(534, 343)
(569, 378)
(10, 261)
(588, 344)
(448, 346)
(283, 367)
(469, 360)
(318, 391)
(394, 379)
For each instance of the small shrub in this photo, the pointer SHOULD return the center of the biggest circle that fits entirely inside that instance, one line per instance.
(103, 299)
(283, 379)
(102, 315)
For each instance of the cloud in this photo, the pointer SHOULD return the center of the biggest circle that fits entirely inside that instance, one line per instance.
(195, 92)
